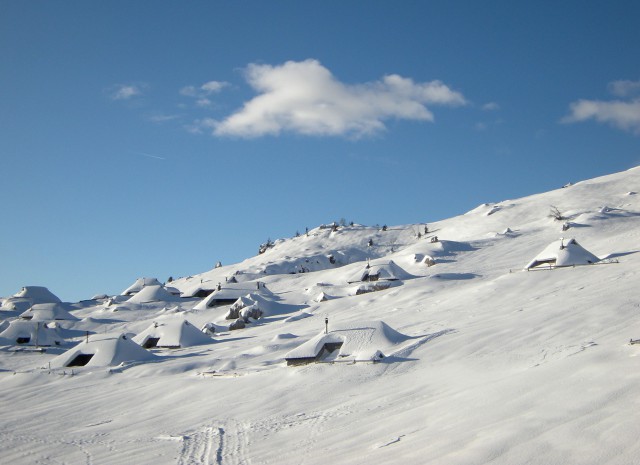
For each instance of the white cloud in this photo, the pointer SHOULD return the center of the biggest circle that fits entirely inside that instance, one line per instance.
(189, 91)
(203, 102)
(624, 88)
(491, 106)
(304, 97)
(201, 125)
(622, 114)
(125, 92)
(213, 86)
(201, 93)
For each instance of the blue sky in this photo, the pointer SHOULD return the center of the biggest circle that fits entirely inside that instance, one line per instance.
(154, 138)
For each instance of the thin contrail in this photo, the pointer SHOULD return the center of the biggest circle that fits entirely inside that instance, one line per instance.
(144, 154)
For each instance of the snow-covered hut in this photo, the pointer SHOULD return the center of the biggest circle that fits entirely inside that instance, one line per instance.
(32, 333)
(322, 297)
(171, 334)
(173, 290)
(47, 312)
(229, 293)
(563, 253)
(153, 293)
(365, 341)
(103, 350)
(201, 291)
(388, 271)
(140, 284)
(38, 295)
(29, 295)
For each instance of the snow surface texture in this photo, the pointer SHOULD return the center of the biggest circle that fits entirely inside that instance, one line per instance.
(499, 365)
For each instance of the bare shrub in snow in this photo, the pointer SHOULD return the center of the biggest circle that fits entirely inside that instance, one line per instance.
(556, 214)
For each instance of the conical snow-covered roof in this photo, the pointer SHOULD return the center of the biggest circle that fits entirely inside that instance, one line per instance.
(172, 333)
(37, 295)
(387, 271)
(103, 350)
(229, 293)
(563, 253)
(47, 312)
(23, 332)
(140, 284)
(28, 296)
(153, 293)
(358, 341)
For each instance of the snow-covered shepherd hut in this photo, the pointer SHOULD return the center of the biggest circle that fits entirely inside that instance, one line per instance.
(153, 293)
(28, 296)
(388, 271)
(31, 333)
(228, 294)
(38, 295)
(140, 284)
(47, 312)
(563, 253)
(366, 341)
(172, 334)
(103, 350)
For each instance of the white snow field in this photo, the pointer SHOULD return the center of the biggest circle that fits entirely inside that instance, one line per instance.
(484, 361)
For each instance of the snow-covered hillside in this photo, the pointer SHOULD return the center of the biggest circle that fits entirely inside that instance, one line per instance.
(477, 359)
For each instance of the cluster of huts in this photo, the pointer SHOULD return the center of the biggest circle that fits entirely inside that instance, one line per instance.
(38, 315)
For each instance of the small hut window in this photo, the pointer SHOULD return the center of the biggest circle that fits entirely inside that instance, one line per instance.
(80, 360)
(151, 342)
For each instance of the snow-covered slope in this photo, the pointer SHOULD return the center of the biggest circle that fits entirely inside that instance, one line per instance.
(497, 364)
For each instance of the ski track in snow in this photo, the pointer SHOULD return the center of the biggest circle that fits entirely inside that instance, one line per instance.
(215, 444)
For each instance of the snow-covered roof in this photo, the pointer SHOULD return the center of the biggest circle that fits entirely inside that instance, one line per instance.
(231, 292)
(359, 341)
(103, 350)
(31, 333)
(387, 271)
(172, 333)
(172, 290)
(563, 253)
(139, 284)
(47, 312)
(153, 293)
(37, 295)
